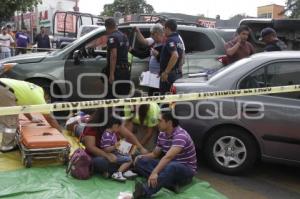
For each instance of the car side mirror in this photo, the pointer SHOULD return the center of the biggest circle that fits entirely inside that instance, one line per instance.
(77, 56)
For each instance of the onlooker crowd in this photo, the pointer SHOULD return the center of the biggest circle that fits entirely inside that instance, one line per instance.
(19, 42)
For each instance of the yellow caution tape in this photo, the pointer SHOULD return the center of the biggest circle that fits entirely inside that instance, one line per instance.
(145, 100)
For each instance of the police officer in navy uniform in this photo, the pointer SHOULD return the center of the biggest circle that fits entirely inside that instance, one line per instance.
(117, 61)
(170, 58)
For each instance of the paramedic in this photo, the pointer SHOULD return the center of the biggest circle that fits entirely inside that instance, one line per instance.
(19, 93)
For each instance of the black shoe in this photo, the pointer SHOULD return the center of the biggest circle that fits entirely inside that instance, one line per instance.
(138, 191)
(175, 188)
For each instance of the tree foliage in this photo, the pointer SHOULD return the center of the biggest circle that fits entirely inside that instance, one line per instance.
(293, 6)
(127, 7)
(9, 7)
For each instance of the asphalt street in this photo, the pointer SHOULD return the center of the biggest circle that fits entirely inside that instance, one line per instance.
(265, 181)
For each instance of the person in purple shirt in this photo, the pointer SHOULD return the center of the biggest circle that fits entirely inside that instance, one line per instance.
(22, 40)
(108, 143)
(176, 167)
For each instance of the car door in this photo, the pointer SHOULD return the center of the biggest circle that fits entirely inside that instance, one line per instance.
(275, 118)
(139, 65)
(84, 76)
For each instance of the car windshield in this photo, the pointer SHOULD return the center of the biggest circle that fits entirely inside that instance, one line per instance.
(59, 50)
(79, 40)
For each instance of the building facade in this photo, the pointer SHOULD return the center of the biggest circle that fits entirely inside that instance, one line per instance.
(272, 11)
(42, 15)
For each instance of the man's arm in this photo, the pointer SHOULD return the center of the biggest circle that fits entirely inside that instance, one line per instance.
(49, 43)
(132, 139)
(90, 145)
(52, 122)
(109, 149)
(168, 157)
(140, 37)
(170, 66)
(153, 155)
(231, 50)
(148, 135)
(32, 118)
(11, 39)
(113, 62)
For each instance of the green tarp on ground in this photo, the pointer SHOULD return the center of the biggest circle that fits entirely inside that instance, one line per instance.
(52, 182)
(47, 180)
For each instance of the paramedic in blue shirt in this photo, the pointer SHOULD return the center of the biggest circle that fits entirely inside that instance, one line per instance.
(170, 58)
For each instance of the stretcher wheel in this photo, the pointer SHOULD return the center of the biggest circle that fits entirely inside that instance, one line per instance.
(28, 162)
(66, 159)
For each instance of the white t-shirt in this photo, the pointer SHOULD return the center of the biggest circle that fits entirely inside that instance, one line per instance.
(5, 41)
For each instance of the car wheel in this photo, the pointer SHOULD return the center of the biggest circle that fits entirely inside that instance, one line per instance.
(231, 151)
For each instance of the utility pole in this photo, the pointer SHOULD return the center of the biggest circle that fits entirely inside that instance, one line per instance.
(76, 8)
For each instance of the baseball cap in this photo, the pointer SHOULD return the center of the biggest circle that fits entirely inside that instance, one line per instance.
(265, 32)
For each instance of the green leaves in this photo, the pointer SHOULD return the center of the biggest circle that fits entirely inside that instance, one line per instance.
(293, 6)
(128, 7)
(9, 7)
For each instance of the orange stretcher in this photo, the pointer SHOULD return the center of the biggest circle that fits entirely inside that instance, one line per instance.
(40, 141)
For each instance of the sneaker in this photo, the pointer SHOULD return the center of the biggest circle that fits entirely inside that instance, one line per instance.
(138, 190)
(118, 176)
(129, 174)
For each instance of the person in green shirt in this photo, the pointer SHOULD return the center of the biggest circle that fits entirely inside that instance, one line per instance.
(19, 93)
(143, 121)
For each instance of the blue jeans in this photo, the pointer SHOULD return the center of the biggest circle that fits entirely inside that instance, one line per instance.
(173, 174)
(5, 55)
(102, 165)
(121, 159)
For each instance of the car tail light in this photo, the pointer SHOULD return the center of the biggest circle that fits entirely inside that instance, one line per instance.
(223, 59)
(173, 89)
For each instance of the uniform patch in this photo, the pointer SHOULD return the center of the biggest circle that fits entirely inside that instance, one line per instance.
(172, 44)
(111, 40)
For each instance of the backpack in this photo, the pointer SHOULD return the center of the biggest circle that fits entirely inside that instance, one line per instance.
(80, 165)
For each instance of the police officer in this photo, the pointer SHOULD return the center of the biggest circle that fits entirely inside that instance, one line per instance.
(117, 61)
(269, 36)
(171, 56)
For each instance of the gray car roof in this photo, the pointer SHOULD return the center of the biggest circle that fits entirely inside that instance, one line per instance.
(227, 77)
(242, 67)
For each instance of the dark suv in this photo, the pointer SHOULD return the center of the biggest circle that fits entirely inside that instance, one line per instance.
(77, 69)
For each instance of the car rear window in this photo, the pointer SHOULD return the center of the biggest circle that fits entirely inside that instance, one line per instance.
(196, 41)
